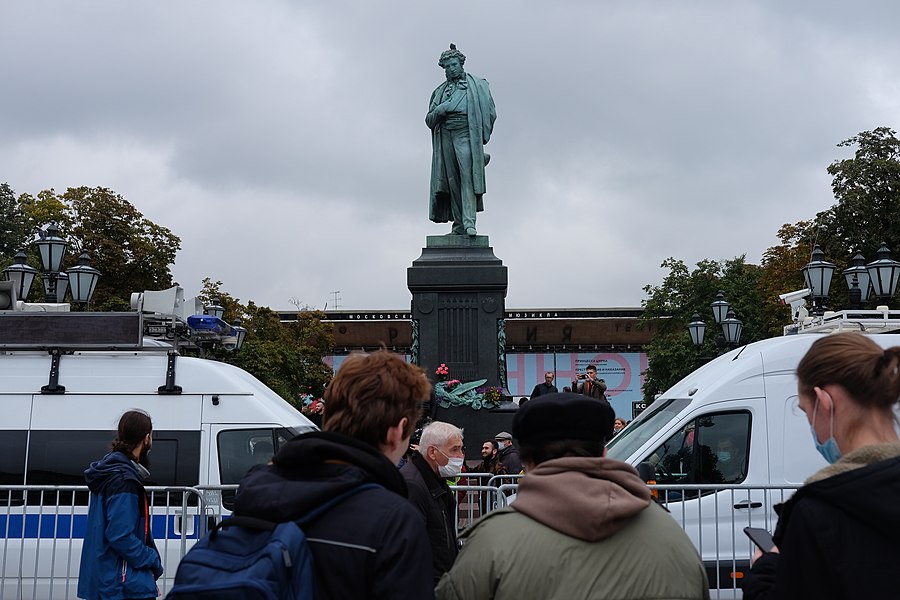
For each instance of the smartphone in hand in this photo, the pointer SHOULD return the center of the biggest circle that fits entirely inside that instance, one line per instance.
(760, 537)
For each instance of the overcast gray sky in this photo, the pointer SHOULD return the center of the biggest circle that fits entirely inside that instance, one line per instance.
(284, 141)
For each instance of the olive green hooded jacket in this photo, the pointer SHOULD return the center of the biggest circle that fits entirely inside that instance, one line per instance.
(579, 528)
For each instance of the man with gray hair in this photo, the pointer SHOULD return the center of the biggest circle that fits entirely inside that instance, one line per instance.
(440, 456)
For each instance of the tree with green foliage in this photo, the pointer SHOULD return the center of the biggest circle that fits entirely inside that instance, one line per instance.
(866, 213)
(14, 234)
(131, 252)
(287, 357)
(671, 305)
(867, 190)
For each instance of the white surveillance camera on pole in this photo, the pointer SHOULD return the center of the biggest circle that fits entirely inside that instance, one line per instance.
(797, 300)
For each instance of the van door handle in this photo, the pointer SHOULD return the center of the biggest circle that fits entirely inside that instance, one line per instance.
(748, 505)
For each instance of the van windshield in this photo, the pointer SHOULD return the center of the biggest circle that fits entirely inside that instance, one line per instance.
(644, 427)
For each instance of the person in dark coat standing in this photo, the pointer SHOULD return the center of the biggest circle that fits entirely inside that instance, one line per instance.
(545, 388)
(373, 544)
(440, 456)
(119, 558)
(508, 456)
(837, 535)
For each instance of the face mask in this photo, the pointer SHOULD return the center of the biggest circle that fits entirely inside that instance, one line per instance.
(501, 445)
(452, 468)
(829, 449)
(726, 456)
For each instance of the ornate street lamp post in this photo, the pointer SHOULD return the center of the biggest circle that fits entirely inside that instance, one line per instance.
(83, 279)
(884, 273)
(818, 273)
(52, 249)
(22, 274)
(214, 309)
(697, 330)
(723, 314)
(857, 277)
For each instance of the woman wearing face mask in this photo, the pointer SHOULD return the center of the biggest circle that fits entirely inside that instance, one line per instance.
(119, 558)
(837, 536)
(439, 457)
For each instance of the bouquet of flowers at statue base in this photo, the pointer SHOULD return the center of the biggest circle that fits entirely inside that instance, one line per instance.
(456, 393)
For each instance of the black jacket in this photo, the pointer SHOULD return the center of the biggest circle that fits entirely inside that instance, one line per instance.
(838, 538)
(373, 544)
(543, 388)
(510, 461)
(432, 497)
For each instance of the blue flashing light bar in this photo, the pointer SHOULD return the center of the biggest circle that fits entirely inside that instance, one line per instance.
(208, 324)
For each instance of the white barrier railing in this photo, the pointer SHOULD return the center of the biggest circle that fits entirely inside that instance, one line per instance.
(42, 527)
(42, 530)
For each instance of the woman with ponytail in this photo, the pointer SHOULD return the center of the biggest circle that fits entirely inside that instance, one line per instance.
(119, 559)
(839, 535)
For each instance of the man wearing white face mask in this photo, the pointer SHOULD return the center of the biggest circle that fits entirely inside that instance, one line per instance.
(440, 456)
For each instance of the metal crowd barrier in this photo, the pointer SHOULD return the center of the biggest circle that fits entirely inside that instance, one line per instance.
(42, 527)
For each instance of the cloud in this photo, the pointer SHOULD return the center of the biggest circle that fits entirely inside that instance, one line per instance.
(285, 143)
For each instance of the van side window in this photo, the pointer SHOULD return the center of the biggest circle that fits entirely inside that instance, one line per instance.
(12, 464)
(711, 449)
(61, 457)
(241, 449)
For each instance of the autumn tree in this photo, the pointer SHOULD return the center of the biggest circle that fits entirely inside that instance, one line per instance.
(670, 307)
(132, 253)
(287, 357)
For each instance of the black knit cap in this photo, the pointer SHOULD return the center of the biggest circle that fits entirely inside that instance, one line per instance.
(564, 416)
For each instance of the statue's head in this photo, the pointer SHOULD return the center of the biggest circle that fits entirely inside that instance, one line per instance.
(452, 62)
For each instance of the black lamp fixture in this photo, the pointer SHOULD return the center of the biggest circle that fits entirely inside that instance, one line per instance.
(697, 330)
(720, 307)
(214, 309)
(723, 314)
(732, 328)
(818, 273)
(52, 249)
(884, 273)
(857, 276)
(240, 333)
(22, 274)
(83, 279)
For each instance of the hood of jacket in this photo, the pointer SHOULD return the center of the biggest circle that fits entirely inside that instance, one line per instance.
(865, 485)
(115, 466)
(584, 497)
(309, 470)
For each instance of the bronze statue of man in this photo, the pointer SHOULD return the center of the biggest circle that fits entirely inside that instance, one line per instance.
(461, 117)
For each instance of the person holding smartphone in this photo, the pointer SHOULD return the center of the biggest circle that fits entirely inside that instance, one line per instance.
(590, 385)
(837, 535)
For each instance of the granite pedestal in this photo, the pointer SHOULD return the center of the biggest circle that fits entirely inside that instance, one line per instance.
(458, 292)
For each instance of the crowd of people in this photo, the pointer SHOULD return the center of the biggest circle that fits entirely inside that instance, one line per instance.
(398, 539)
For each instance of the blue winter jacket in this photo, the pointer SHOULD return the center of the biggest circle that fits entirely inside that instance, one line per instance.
(119, 558)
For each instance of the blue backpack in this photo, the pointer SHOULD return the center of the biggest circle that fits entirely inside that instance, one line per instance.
(245, 558)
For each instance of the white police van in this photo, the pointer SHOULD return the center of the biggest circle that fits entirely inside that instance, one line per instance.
(65, 379)
(736, 421)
